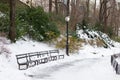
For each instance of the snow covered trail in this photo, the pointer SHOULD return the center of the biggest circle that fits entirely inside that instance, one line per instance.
(85, 69)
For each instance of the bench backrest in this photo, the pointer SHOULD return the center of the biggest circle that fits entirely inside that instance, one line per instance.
(53, 52)
(22, 58)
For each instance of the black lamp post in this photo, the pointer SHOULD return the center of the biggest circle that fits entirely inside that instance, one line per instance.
(67, 35)
(67, 19)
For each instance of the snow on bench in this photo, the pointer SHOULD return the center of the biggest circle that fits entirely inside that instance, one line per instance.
(115, 62)
(28, 60)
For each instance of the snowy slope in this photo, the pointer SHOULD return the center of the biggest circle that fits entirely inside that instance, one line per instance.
(88, 34)
(90, 64)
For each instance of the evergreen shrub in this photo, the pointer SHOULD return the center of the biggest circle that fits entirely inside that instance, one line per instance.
(39, 24)
(4, 23)
(32, 21)
(4, 8)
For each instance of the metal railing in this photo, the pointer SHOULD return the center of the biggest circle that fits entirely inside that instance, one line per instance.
(116, 63)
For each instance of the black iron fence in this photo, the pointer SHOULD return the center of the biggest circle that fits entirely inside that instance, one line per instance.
(115, 62)
(28, 60)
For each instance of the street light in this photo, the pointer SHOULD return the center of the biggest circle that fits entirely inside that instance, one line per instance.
(67, 19)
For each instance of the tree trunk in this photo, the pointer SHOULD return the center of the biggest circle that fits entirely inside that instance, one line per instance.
(56, 6)
(31, 4)
(103, 14)
(68, 2)
(50, 5)
(94, 14)
(12, 29)
(95, 8)
(75, 14)
(100, 12)
(87, 12)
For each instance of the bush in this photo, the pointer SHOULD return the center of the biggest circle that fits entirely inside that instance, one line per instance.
(110, 31)
(100, 43)
(21, 28)
(58, 18)
(4, 8)
(83, 25)
(97, 42)
(4, 23)
(116, 39)
(21, 25)
(32, 21)
(40, 25)
(98, 27)
(51, 31)
(74, 44)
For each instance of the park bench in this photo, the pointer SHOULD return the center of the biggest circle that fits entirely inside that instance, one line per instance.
(43, 57)
(32, 59)
(22, 61)
(54, 55)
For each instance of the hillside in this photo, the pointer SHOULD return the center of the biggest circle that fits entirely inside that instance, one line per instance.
(4, 5)
(84, 65)
(41, 51)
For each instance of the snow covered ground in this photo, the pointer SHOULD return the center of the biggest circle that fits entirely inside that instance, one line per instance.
(89, 64)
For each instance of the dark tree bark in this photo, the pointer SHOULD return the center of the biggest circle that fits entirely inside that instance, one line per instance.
(12, 28)
(103, 14)
(114, 17)
(62, 7)
(68, 2)
(100, 12)
(50, 5)
(75, 14)
(88, 10)
(56, 6)
(118, 17)
(31, 3)
(95, 9)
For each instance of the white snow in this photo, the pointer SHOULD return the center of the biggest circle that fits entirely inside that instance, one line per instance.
(91, 63)
(118, 60)
(1, 14)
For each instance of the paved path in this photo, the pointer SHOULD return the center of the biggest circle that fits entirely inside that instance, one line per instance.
(85, 69)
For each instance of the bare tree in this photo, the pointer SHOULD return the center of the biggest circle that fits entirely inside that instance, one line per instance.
(68, 7)
(114, 17)
(56, 6)
(76, 13)
(94, 13)
(103, 14)
(87, 9)
(12, 28)
(95, 8)
(62, 7)
(119, 18)
(50, 5)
